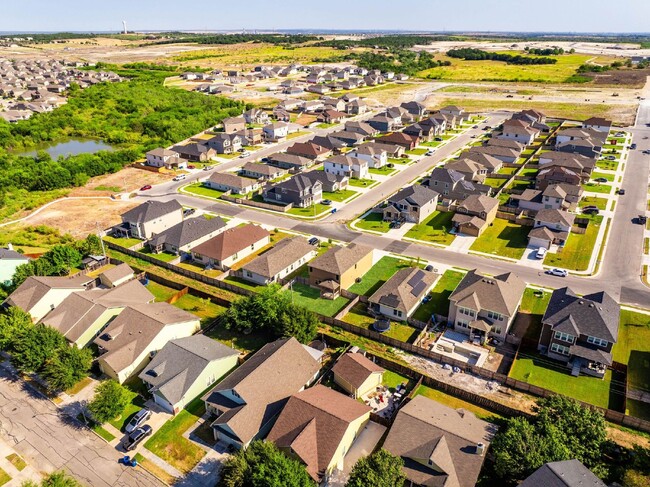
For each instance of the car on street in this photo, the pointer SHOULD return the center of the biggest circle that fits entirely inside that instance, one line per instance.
(640, 220)
(208, 168)
(475, 127)
(265, 159)
(244, 154)
(620, 191)
(633, 146)
(326, 202)
(558, 272)
(430, 152)
(139, 419)
(180, 177)
(541, 253)
(136, 436)
(601, 180)
(647, 151)
(145, 187)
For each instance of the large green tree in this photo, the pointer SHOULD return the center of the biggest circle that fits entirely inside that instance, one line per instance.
(14, 323)
(32, 349)
(381, 469)
(263, 465)
(109, 401)
(67, 367)
(63, 259)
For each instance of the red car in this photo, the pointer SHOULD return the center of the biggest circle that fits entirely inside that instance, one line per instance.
(191, 167)
(145, 187)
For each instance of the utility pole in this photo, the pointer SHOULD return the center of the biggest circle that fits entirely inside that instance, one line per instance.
(99, 234)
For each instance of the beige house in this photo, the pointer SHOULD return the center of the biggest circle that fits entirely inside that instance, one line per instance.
(413, 204)
(151, 217)
(39, 295)
(223, 181)
(132, 339)
(228, 247)
(357, 375)
(475, 214)
(283, 259)
(400, 296)
(233, 124)
(482, 306)
(248, 401)
(117, 275)
(184, 368)
(317, 427)
(339, 268)
(83, 315)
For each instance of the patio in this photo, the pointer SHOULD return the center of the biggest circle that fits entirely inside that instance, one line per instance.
(457, 346)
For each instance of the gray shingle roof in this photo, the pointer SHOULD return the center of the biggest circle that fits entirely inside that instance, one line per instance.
(187, 231)
(500, 294)
(415, 195)
(150, 210)
(404, 289)
(569, 473)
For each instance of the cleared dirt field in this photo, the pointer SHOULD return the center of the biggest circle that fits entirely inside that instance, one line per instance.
(126, 180)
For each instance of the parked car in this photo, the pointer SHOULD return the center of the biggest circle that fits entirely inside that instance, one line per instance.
(620, 191)
(145, 187)
(313, 241)
(633, 146)
(191, 166)
(132, 440)
(590, 210)
(189, 211)
(558, 272)
(430, 152)
(208, 168)
(326, 202)
(244, 154)
(601, 180)
(265, 159)
(180, 177)
(610, 158)
(541, 253)
(139, 419)
(640, 220)
(647, 151)
(438, 139)
(475, 127)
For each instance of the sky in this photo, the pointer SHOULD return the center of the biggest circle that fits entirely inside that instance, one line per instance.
(419, 15)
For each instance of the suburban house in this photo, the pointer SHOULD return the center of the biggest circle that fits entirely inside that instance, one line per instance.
(181, 237)
(329, 143)
(453, 186)
(195, 152)
(331, 182)
(356, 374)
(277, 263)
(598, 123)
(233, 124)
(412, 204)
(362, 128)
(149, 218)
(225, 181)
(222, 251)
(454, 111)
(251, 136)
(475, 214)
(317, 427)
(169, 159)
(247, 402)
(291, 162)
(533, 117)
(127, 344)
(300, 191)
(580, 331)
(507, 143)
(339, 268)
(117, 275)
(348, 138)
(332, 116)
(558, 222)
(556, 175)
(567, 473)
(374, 154)
(470, 169)
(439, 446)
(309, 150)
(383, 123)
(276, 131)
(256, 116)
(409, 142)
(225, 143)
(357, 107)
(400, 296)
(553, 197)
(38, 295)
(519, 131)
(83, 315)
(504, 154)
(576, 162)
(184, 368)
(417, 109)
(490, 163)
(482, 306)
(266, 172)
(9, 262)
(345, 165)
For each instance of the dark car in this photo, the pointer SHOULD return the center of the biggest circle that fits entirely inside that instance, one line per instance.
(633, 146)
(314, 241)
(327, 202)
(265, 159)
(145, 187)
(590, 210)
(438, 139)
(188, 211)
(621, 191)
(601, 180)
(136, 436)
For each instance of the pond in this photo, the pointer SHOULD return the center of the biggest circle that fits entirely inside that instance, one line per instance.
(69, 147)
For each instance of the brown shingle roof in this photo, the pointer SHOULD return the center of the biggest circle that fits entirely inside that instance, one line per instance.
(231, 241)
(355, 368)
(500, 294)
(285, 253)
(338, 260)
(404, 289)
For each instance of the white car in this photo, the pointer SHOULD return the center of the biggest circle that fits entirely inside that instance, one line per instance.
(558, 272)
(180, 177)
(244, 154)
(430, 152)
(541, 253)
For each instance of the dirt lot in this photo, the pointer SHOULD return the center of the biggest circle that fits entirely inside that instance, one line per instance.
(126, 180)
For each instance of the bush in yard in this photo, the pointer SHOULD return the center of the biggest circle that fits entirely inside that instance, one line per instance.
(35, 347)
(263, 465)
(67, 367)
(56, 479)
(381, 469)
(111, 398)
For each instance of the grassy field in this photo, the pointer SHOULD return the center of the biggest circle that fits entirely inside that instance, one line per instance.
(415, 152)
(576, 253)
(378, 275)
(609, 177)
(495, 182)
(439, 302)
(503, 239)
(454, 402)
(374, 222)
(435, 229)
(309, 298)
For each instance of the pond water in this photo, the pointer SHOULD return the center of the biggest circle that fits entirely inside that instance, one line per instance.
(69, 147)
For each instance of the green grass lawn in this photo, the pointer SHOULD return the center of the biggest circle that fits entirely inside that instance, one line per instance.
(520, 185)
(439, 302)
(434, 229)
(205, 309)
(398, 331)
(607, 165)
(600, 203)
(246, 343)
(534, 301)
(609, 177)
(453, 402)
(136, 403)
(392, 380)
(495, 182)
(362, 183)
(17, 461)
(577, 250)
(530, 172)
(313, 210)
(378, 275)
(544, 372)
(163, 256)
(416, 151)
(124, 242)
(340, 196)
(160, 292)
(107, 435)
(507, 170)
(597, 188)
(4, 477)
(373, 221)
(309, 297)
(401, 160)
(633, 348)
(503, 239)
(199, 190)
(236, 281)
(382, 171)
(170, 445)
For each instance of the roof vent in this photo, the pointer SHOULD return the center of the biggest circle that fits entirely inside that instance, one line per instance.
(591, 305)
(581, 302)
(480, 449)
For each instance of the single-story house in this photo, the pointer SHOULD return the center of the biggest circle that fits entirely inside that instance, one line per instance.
(228, 247)
(224, 181)
(277, 263)
(402, 293)
(356, 374)
(187, 234)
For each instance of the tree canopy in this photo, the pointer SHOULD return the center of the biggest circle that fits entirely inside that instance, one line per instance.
(471, 54)
(381, 469)
(109, 401)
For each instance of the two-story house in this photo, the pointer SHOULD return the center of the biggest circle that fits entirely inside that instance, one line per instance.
(580, 331)
(412, 204)
(300, 191)
(339, 268)
(475, 214)
(265, 172)
(553, 197)
(519, 131)
(374, 154)
(453, 186)
(149, 218)
(224, 143)
(345, 165)
(256, 116)
(276, 131)
(552, 226)
(169, 159)
(233, 124)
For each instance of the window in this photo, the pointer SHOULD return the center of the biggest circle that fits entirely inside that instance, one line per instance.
(397, 313)
(565, 337)
(496, 330)
(462, 323)
(249, 274)
(598, 341)
(561, 349)
(468, 312)
(494, 316)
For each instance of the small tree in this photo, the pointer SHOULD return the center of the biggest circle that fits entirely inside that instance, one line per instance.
(381, 469)
(63, 258)
(109, 402)
(32, 349)
(298, 322)
(59, 479)
(14, 323)
(67, 367)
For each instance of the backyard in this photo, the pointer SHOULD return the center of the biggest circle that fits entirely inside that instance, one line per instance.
(439, 302)
(435, 229)
(503, 239)
(453, 402)
(358, 316)
(378, 275)
(577, 251)
(309, 297)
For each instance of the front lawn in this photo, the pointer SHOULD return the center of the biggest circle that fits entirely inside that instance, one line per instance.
(310, 211)
(401, 160)
(373, 221)
(600, 203)
(199, 190)
(362, 183)
(435, 228)
(136, 402)
(339, 196)
(503, 239)
(607, 165)
(170, 445)
(609, 177)
(309, 297)
(577, 251)
(597, 188)
(382, 171)
(378, 275)
(416, 151)
(439, 302)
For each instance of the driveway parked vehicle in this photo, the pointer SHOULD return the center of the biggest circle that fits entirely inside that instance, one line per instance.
(601, 180)
(620, 191)
(327, 202)
(139, 419)
(180, 177)
(135, 438)
(558, 272)
(590, 210)
(313, 241)
(541, 253)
